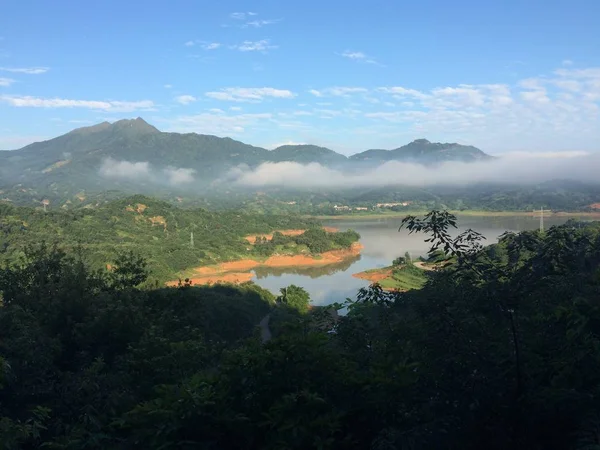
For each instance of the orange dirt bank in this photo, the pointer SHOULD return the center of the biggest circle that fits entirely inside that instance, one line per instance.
(239, 271)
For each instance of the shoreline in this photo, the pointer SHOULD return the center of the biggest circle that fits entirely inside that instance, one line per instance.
(396, 278)
(475, 213)
(239, 271)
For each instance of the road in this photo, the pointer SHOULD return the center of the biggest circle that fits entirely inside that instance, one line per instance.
(265, 331)
(421, 265)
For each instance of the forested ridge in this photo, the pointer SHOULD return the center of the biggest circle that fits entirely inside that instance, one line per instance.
(500, 350)
(170, 239)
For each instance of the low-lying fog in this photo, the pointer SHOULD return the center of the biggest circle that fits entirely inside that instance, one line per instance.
(515, 168)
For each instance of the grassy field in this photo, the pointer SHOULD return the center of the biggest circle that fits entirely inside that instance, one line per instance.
(405, 279)
(396, 278)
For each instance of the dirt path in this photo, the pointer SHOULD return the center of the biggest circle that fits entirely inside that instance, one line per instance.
(265, 331)
(374, 276)
(421, 265)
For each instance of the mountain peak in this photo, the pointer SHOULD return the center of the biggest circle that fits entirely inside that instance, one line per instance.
(421, 141)
(138, 125)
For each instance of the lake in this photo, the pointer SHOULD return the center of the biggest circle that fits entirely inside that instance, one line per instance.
(382, 244)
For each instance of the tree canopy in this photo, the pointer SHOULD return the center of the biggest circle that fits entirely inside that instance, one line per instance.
(498, 350)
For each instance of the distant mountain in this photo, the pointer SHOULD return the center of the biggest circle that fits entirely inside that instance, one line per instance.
(424, 152)
(307, 154)
(132, 156)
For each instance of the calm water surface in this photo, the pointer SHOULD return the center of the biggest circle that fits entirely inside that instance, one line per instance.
(382, 244)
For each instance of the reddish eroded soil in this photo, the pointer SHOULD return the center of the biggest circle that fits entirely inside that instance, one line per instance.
(374, 276)
(252, 238)
(239, 271)
(232, 277)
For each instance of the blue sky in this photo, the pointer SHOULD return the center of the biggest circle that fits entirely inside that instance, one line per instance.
(509, 76)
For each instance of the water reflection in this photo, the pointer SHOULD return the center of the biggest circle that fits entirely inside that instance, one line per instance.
(382, 243)
(308, 271)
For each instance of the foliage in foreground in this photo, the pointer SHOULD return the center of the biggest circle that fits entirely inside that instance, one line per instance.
(498, 351)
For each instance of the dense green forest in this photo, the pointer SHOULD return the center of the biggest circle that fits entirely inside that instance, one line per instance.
(500, 350)
(169, 238)
(314, 240)
(559, 195)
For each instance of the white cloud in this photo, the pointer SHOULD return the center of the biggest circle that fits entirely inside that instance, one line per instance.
(240, 15)
(116, 106)
(211, 45)
(235, 108)
(553, 111)
(538, 96)
(5, 82)
(185, 99)
(178, 176)
(593, 72)
(402, 92)
(461, 96)
(568, 85)
(26, 70)
(261, 23)
(546, 155)
(531, 83)
(254, 46)
(218, 123)
(567, 62)
(204, 44)
(354, 55)
(359, 57)
(249, 94)
(111, 168)
(523, 168)
(168, 86)
(143, 171)
(338, 91)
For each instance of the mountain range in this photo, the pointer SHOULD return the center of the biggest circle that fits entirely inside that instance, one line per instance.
(83, 159)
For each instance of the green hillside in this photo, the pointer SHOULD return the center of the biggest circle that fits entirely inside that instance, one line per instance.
(131, 156)
(158, 231)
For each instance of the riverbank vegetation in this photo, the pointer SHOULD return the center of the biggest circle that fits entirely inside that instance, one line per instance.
(498, 350)
(403, 275)
(170, 239)
(313, 241)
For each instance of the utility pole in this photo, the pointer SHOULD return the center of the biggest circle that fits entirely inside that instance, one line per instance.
(541, 219)
(191, 239)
